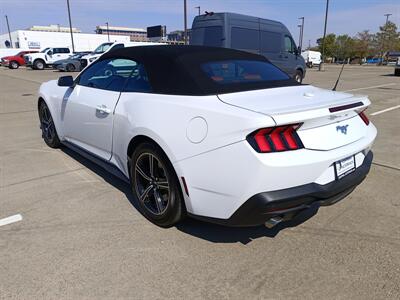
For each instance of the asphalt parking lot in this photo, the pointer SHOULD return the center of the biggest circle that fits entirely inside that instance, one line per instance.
(81, 237)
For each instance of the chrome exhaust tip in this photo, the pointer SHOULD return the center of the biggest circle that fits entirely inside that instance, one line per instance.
(273, 222)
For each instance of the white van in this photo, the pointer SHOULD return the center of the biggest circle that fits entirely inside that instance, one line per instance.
(312, 58)
(105, 47)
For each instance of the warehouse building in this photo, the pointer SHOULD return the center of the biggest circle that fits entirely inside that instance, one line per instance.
(135, 34)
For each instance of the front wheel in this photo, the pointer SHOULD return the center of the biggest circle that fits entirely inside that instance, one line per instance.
(49, 132)
(397, 72)
(70, 68)
(14, 65)
(299, 76)
(156, 186)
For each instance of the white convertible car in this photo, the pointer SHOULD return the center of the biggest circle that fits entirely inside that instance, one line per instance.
(217, 134)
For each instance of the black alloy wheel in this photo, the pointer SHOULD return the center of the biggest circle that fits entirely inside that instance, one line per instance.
(155, 185)
(49, 132)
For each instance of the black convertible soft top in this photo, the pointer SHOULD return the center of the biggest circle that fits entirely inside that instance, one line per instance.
(176, 69)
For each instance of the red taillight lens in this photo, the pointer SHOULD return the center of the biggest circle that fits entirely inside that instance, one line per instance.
(364, 117)
(275, 139)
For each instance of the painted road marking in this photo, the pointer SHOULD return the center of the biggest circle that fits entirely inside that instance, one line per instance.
(370, 87)
(385, 110)
(10, 220)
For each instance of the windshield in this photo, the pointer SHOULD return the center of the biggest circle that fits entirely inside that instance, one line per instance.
(44, 50)
(242, 71)
(102, 48)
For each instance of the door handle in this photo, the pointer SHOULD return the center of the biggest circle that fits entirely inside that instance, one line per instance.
(103, 109)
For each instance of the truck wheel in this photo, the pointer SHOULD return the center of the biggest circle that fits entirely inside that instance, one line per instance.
(70, 68)
(39, 64)
(299, 76)
(14, 65)
(396, 72)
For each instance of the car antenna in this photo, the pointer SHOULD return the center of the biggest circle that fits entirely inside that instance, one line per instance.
(337, 81)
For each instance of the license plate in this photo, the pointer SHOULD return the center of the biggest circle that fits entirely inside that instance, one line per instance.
(345, 166)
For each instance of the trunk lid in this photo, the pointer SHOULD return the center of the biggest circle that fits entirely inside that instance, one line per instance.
(330, 119)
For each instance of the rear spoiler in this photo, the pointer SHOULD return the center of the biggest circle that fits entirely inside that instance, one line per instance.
(357, 103)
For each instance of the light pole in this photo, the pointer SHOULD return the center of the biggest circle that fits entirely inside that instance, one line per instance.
(108, 32)
(185, 36)
(383, 37)
(387, 17)
(198, 7)
(9, 33)
(301, 33)
(321, 65)
(70, 27)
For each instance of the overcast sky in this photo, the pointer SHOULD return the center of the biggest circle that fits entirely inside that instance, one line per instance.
(345, 16)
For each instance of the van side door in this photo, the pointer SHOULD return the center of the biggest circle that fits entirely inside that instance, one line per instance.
(289, 55)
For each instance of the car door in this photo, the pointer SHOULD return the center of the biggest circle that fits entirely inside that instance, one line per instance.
(289, 56)
(87, 113)
(52, 55)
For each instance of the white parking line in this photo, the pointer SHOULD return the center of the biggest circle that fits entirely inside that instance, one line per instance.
(10, 220)
(385, 110)
(370, 87)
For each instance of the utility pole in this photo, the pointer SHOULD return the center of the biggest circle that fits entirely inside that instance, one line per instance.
(321, 65)
(387, 17)
(301, 33)
(70, 27)
(384, 37)
(185, 35)
(198, 7)
(108, 32)
(9, 32)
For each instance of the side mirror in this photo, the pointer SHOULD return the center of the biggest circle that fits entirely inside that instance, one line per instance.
(50, 53)
(66, 81)
(298, 50)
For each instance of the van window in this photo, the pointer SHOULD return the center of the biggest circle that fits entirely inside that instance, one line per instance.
(290, 46)
(207, 36)
(270, 41)
(245, 39)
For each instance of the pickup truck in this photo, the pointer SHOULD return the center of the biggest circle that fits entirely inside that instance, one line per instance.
(46, 57)
(15, 61)
(397, 67)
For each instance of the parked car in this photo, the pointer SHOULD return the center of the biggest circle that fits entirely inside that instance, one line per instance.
(214, 133)
(46, 57)
(374, 60)
(15, 61)
(105, 47)
(71, 64)
(312, 58)
(397, 67)
(266, 37)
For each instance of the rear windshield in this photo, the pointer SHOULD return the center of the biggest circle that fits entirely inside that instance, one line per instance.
(242, 71)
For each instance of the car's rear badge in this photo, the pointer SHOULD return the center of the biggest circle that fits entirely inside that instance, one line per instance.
(342, 129)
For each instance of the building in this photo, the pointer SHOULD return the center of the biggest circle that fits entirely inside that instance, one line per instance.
(53, 28)
(135, 34)
(31, 39)
(176, 36)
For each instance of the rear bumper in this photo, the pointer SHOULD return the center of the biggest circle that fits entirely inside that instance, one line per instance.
(264, 206)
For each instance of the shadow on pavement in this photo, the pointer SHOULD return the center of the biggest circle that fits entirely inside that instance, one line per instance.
(206, 231)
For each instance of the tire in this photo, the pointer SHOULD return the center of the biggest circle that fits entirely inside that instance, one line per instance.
(299, 76)
(397, 72)
(14, 65)
(158, 191)
(39, 64)
(70, 68)
(49, 132)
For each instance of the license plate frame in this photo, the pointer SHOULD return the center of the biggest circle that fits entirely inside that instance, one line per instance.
(345, 167)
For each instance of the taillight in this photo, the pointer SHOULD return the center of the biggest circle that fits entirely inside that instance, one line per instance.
(364, 117)
(275, 139)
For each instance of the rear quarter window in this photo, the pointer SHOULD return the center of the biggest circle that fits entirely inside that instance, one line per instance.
(242, 71)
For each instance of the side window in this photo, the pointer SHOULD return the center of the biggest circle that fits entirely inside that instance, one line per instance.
(289, 44)
(55, 50)
(270, 42)
(109, 74)
(64, 50)
(117, 46)
(138, 82)
(245, 39)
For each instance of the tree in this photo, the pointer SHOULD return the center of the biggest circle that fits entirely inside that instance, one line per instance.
(330, 45)
(363, 44)
(344, 47)
(388, 37)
